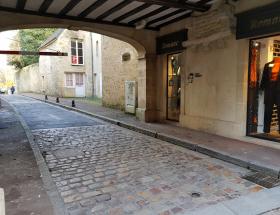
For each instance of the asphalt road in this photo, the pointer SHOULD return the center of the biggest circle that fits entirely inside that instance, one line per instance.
(39, 115)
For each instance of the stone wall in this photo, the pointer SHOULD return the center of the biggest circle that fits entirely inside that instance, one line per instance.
(54, 68)
(29, 79)
(216, 102)
(115, 71)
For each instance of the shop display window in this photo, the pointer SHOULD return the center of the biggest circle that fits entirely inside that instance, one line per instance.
(263, 112)
(173, 87)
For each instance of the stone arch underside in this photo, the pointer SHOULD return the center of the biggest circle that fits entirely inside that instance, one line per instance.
(142, 40)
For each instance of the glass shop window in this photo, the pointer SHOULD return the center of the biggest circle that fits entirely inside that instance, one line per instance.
(264, 89)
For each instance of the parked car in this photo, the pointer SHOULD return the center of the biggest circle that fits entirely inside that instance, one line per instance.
(3, 90)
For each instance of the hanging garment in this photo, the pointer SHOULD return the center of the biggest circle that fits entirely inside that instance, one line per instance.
(253, 68)
(271, 85)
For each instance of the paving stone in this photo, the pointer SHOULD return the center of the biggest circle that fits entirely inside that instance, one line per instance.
(103, 197)
(87, 182)
(91, 194)
(121, 172)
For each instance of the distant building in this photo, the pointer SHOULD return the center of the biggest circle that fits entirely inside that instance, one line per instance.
(96, 65)
(77, 75)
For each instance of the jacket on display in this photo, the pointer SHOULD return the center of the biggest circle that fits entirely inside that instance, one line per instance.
(271, 88)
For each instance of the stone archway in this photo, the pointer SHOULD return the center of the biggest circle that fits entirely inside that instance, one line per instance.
(142, 40)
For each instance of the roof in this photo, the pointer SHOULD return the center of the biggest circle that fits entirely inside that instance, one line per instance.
(51, 38)
(152, 14)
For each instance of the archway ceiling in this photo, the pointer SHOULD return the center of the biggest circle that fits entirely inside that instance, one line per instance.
(155, 13)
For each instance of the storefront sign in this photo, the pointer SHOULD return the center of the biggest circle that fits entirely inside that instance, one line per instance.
(260, 21)
(172, 42)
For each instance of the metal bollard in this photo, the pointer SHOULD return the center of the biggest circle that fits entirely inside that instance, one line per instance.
(0, 103)
(57, 100)
(73, 103)
(46, 97)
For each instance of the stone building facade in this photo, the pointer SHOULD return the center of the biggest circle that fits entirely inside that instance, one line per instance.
(214, 71)
(55, 71)
(103, 68)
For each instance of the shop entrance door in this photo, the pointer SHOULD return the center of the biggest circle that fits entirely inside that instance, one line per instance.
(173, 87)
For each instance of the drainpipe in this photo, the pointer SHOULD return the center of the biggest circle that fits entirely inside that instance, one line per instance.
(92, 64)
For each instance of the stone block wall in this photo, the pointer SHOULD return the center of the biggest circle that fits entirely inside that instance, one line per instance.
(216, 101)
(115, 71)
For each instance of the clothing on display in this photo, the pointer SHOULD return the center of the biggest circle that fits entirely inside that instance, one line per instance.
(270, 84)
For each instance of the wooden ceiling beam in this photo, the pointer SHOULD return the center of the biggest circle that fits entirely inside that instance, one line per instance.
(131, 13)
(21, 4)
(165, 16)
(174, 20)
(76, 18)
(155, 12)
(45, 6)
(92, 7)
(176, 4)
(71, 4)
(114, 9)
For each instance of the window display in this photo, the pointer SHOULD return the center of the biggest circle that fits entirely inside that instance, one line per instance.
(173, 87)
(264, 89)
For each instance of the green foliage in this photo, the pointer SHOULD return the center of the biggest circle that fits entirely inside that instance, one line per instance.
(29, 40)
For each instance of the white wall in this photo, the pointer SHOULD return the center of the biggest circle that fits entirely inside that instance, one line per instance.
(97, 64)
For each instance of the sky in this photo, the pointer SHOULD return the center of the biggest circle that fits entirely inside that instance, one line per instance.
(4, 45)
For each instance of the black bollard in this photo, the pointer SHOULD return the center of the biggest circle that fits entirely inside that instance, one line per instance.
(46, 97)
(73, 103)
(57, 100)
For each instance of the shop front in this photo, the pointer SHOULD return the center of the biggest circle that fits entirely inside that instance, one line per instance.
(170, 48)
(262, 27)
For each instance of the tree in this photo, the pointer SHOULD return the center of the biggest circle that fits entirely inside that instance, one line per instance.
(28, 40)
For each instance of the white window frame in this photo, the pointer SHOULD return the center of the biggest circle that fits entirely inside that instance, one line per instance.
(73, 79)
(73, 74)
(77, 56)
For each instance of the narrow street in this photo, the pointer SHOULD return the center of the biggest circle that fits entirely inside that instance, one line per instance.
(100, 168)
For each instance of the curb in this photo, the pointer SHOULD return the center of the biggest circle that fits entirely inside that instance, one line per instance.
(177, 141)
(2, 202)
(50, 187)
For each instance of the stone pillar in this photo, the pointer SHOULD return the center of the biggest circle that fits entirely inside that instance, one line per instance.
(146, 110)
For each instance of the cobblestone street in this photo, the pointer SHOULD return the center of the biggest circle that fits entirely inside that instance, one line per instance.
(104, 169)
(100, 168)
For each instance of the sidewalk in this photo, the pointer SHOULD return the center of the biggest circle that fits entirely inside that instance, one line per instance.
(19, 174)
(245, 154)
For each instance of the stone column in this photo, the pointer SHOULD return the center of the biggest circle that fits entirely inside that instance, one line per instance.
(147, 69)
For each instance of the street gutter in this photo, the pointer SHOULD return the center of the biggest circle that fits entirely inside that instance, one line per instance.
(49, 185)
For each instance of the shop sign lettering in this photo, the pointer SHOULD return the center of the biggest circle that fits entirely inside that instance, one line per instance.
(258, 22)
(171, 42)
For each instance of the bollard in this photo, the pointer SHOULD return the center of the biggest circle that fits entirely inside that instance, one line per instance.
(46, 97)
(0, 103)
(73, 103)
(57, 100)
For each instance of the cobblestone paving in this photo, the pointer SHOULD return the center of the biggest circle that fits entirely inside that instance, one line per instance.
(105, 169)
(273, 212)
